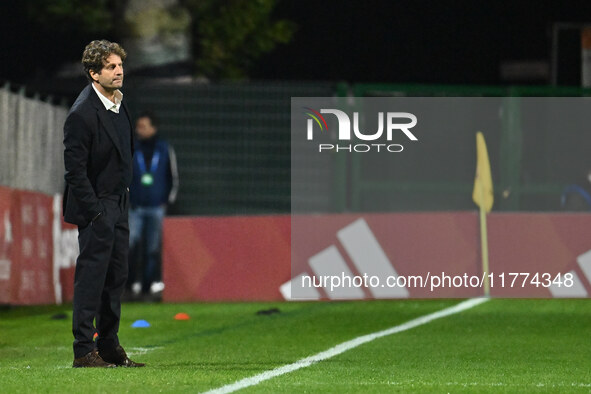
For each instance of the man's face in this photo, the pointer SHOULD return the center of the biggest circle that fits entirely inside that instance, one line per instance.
(144, 128)
(111, 75)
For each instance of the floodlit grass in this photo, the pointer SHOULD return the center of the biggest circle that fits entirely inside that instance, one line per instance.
(498, 346)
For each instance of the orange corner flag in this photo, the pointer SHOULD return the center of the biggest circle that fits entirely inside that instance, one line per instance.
(482, 195)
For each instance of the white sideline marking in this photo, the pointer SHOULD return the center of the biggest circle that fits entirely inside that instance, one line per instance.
(343, 347)
(138, 351)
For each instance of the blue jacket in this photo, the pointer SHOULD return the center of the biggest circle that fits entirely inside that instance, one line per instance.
(155, 175)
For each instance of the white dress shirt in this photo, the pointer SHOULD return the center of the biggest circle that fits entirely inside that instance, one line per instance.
(109, 105)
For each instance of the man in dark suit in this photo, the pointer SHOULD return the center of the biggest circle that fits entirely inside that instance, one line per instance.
(98, 160)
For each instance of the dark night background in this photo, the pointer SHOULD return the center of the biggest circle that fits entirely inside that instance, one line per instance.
(417, 41)
(397, 41)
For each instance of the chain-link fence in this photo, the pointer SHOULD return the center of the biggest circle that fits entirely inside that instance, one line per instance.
(233, 149)
(232, 141)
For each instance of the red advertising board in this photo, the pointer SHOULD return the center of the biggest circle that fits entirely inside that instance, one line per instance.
(432, 254)
(541, 243)
(229, 258)
(26, 248)
(32, 216)
(262, 257)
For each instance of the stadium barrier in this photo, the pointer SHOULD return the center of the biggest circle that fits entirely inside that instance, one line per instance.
(26, 247)
(37, 249)
(245, 258)
(225, 258)
(248, 258)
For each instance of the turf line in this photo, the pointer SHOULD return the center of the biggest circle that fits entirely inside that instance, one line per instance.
(345, 346)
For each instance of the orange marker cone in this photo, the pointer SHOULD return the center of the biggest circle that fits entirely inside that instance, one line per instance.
(181, 316)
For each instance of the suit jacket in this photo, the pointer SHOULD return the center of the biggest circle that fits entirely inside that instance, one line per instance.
(92, 157)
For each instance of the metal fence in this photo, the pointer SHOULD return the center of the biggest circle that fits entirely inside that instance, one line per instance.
(233, 148)
(31, 148)
(539, 148)
(232, 141)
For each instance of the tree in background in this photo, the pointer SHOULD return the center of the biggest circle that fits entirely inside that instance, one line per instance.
(230, 35)
(74, 16)
(226, 37)
(45, 34)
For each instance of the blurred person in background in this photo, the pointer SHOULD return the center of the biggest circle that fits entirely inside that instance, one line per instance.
(153, 188)
(98, 162)
(576, 197)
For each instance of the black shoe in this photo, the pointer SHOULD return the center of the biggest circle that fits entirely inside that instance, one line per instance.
(91, 360)
(118, 357)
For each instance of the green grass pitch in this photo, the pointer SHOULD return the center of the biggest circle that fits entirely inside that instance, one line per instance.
(502, 345)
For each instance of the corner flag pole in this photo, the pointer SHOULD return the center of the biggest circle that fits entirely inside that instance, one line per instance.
(483, 196)
(484, 245)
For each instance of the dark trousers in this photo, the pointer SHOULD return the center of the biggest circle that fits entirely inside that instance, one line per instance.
(101, 273)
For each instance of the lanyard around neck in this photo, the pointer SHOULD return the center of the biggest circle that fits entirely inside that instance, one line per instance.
(142, 161)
